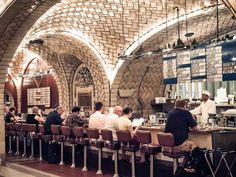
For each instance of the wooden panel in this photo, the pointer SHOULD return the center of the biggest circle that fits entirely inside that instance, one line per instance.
(47, 81)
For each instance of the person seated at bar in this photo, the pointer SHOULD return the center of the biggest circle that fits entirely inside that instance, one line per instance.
(98, 119)
(74, 118)
(124, 123)
(178, 123)
(53, 118)
(206, 107)
(10, 116)
(34, 117)
(111, 123)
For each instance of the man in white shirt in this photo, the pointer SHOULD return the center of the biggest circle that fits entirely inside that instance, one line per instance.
(111, 122)
(206, 107)
(98, 119)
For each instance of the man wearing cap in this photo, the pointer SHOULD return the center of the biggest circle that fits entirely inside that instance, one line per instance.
(206, 107)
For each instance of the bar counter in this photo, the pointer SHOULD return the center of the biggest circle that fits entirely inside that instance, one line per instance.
(219, 137)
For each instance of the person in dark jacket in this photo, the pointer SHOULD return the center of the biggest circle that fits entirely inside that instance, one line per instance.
(10, 116)
(53, 118)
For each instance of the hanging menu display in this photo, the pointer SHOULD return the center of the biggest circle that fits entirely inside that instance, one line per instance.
(210, 63)
(229, 60)
(214, 63)
(169, 68)
(39, 96)
(198, 64)
(183, 66)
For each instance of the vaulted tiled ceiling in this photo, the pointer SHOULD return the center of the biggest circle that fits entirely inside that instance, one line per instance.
(112, 26)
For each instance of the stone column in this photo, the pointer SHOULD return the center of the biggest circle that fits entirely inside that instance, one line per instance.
(2, 121)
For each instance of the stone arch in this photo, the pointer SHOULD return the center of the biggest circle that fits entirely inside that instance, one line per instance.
(72, 46)
(52, 59)
(22, 16)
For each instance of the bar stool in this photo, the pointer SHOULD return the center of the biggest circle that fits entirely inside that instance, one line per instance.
(124, 137)
(18, 130)
(31, 129)
(166, 140)
(7, 132)
(11, 133)
(144, 137)
(113, 145)
(41, 137)
(66, 133)
(55, 129)
(93, 135)
(80, 140)
(24, 130)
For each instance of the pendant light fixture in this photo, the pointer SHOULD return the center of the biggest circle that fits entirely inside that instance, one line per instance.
(188, 34)
(179, 44)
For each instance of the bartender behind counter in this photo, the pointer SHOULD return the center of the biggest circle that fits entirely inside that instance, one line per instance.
(206, 107)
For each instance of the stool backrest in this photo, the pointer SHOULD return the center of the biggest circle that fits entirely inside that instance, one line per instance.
(18, 126)
(123, 135)
(144, 137)
(55, 129)
(106, 135)
(12, 127)
(65, 130)
(166, 139)
(78, 131)
(31, 127)
(41, 129)
(24, 128)
(93, 133)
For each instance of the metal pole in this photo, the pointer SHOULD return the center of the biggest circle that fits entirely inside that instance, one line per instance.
(217, 20)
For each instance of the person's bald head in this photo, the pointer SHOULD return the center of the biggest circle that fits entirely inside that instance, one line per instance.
(117, 110)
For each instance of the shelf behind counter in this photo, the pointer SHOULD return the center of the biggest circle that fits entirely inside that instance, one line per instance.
(167, 106)
(220, 137)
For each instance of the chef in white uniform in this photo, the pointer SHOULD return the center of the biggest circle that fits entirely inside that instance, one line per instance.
(206, 107)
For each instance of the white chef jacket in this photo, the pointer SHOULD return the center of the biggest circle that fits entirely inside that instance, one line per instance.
(205, 108)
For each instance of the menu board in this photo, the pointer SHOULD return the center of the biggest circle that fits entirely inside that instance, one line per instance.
(183, 67)
(39, 96)
(169, 68)
(229, 60)
(198, 64)
(214, 63)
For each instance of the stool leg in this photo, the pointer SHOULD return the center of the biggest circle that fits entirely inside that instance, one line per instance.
(99, 172)
(24, 154)
(116, 164)
(73, 156)
(17, 145)
(40, 149)
(151, 164)
(133, 163)
(32, 149)
(61, 163)
(10, 151)
(175, 165)
(85, 159)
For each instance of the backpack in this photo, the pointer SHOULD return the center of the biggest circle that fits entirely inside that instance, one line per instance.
(53, 153)
(196, 161)
(199, 163)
